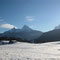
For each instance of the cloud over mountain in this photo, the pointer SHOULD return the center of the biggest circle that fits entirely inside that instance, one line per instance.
(9, 26)
(4, 24)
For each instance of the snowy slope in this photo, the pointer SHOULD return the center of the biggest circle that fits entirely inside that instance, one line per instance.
(26, 51)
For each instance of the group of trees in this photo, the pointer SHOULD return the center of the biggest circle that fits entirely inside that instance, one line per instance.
(12, 39)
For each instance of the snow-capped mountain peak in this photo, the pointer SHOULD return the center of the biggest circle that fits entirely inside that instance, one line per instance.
(26, 28)
(14, 30)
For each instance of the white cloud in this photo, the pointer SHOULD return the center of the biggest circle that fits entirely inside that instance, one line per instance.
(9, 26)
(4, 24)
(29, 18)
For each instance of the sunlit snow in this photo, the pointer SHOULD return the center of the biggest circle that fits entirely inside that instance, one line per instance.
(28, 51)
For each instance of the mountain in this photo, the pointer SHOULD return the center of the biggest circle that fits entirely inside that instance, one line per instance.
(26, 28)
(57, 27)
(50, 36)
(24, 33)
(13, 30)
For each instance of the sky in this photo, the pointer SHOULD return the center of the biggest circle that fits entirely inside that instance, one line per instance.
(42, 15)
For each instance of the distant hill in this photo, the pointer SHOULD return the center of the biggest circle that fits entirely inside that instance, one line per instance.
(50, 36)
(25, 33)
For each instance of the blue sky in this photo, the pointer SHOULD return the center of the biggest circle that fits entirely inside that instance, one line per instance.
(42, 15)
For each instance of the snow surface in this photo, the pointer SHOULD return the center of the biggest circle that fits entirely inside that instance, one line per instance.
(28, 51)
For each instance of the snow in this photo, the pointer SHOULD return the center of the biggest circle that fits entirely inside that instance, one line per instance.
(28, 51)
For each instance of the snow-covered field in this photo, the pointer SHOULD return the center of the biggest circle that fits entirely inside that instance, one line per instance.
(27, 51)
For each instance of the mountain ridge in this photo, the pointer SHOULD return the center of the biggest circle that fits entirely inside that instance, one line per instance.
(25, 33)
